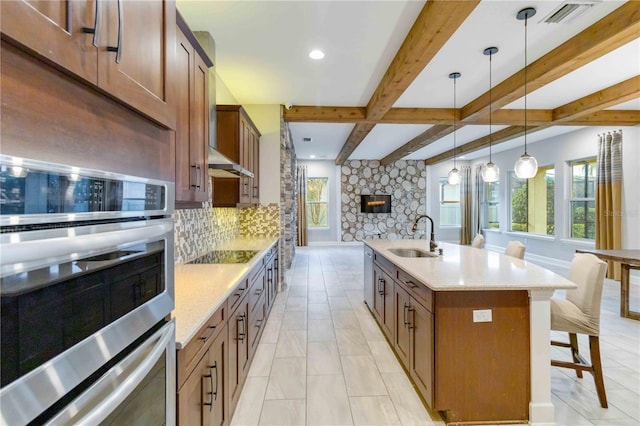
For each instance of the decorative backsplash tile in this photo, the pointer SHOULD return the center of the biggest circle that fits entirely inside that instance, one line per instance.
(260, 221)
(198, 231)
(404, 180)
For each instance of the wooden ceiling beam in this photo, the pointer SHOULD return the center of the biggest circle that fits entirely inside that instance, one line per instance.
(425, 138)
(602, 99)
(435, 24)
(609, 33)
(498, 137)
(326, 114)
(608, 117)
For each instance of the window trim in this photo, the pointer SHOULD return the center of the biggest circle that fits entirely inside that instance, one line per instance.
(571, 200)
(510, 176)
(442, 180)
(486, 203)
(308, 203)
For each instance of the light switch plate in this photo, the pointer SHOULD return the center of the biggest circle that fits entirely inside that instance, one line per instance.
(482, 315)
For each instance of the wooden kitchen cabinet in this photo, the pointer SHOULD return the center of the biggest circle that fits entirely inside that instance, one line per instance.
(238, 139)
(192, 124)
(402, 333)
(383, 301)
(217, 407)
(192, 395)
(130, 56)
(421, 350)
(271, 284)
(238, 351)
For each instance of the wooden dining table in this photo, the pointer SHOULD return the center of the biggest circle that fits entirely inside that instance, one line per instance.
(629, 259)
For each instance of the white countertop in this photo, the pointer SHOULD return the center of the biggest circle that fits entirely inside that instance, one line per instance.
(200, 289)
(468, 268)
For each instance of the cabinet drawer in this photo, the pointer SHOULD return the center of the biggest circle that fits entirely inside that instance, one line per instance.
(188, 355)
(237, 295)
(386, 265)
(418, 290)
(255, 295)
(271, 253)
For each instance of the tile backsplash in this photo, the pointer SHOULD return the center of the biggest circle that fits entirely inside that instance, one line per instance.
(199, 231)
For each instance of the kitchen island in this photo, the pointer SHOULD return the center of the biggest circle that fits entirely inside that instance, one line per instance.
(471, 327)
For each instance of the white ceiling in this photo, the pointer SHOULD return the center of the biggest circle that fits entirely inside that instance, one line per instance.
(262, 56)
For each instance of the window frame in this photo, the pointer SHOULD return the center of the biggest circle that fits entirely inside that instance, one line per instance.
(442, 182)
(511, 177)
(325, 202)
(487, 203)
(572, 200)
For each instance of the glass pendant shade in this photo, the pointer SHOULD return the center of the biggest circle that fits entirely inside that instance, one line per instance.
(490, 172)
(526, 167)
(454, 176)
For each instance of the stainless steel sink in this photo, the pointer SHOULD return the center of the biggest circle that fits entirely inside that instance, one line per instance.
(412, 252)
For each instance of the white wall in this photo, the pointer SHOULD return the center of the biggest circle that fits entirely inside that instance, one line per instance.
(328, 169)
(223, 95)
(267, 120)
(557, 151)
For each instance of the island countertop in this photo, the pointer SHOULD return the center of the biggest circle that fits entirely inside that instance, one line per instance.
(200, 289)
(464, 268)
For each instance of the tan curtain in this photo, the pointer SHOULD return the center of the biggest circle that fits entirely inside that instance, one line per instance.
(301, 186)
(609, 197)
(466, 216)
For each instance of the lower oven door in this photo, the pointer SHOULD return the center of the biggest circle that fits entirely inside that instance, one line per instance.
(139, 390)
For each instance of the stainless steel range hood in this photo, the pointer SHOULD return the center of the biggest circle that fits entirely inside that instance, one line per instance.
(222, 167)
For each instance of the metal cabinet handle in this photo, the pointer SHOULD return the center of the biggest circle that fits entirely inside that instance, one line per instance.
(382, 290)
(406, 308)
(411, 284)
(241, 335)
(210, 377)
(410, 322)
(259, 292)
(96, 25)
(118, 48)
(214, 392)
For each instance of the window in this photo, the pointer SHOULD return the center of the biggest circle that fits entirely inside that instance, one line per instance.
(449, 204)
(492, 200)
(317, 200)
(532, 207)
(583, 202)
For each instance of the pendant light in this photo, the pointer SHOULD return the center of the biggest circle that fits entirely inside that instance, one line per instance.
(526, 167)
(490, 172)
(454, 174)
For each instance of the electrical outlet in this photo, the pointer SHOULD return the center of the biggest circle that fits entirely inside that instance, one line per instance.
(483, 315)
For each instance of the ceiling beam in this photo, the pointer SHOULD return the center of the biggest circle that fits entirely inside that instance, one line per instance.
(435, 24)
(609, 117)
(602, 99)
(327, 114)
(428, 137)
(498, 137)
(609, 33)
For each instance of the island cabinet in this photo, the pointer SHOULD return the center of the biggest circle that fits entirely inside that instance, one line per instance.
(238, 139)
(202, 373)
(192, 125)
(126, 48)
(271, 268)
(466, 367)
(383, 295)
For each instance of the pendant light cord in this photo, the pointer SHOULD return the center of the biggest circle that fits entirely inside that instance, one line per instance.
(454, 122)
(526, 19)
(490, 105)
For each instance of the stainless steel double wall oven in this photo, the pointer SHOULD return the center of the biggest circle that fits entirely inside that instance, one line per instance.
(86, 291)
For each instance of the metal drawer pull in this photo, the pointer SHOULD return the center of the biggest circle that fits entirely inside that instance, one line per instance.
(406, 307)
(96, 25)
(210, 377)
(381, 291)
(241, 335)
(411, 284)
(118, 48)
(410, 323)
(259, 292)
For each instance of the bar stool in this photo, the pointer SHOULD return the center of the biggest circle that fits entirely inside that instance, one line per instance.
(515, 249)
(478, 241)
(579, 313)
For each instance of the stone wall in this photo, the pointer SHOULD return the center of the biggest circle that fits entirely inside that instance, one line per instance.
(404, 180)
(288, 208)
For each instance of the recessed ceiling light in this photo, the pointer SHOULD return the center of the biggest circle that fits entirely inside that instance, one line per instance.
(312, 156)
(316, 54)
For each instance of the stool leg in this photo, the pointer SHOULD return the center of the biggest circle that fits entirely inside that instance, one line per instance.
(594, 345)
(573, 340)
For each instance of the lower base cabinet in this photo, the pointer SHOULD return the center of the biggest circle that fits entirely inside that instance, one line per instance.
(212, 367)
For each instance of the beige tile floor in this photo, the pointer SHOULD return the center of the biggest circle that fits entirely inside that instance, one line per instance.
(323, 361)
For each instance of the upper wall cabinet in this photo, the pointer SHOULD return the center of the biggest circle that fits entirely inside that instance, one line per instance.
(125, 48)
(192, 126)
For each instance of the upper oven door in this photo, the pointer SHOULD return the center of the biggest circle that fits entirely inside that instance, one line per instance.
(37, 192)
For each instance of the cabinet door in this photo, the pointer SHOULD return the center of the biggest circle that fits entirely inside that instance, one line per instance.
(238, 352)
(402, 335)
(193, 396)
(378, 299)
(54, 30)
(422, 350)
(388, 288)
(192, 124)
(137, 63)
(255, 162)
(217, 405)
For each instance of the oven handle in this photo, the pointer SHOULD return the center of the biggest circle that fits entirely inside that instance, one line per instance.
(103, 397)
(77, 246)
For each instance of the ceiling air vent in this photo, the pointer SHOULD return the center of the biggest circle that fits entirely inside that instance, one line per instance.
(569, 10)
(306, 139)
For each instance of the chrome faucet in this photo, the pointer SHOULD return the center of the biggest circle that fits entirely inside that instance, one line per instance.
(432, 242)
